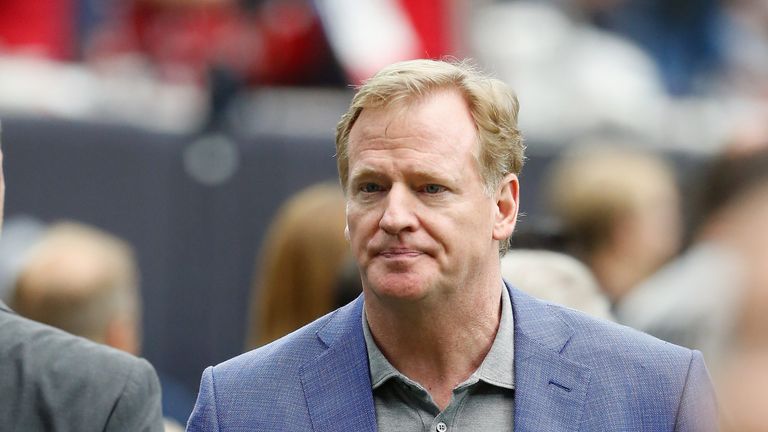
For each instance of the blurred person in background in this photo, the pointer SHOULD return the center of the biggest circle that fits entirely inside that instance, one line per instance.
(619, 212)
(713, 297)
(85, 281)
(303, 266)
(53, 381)
(743, 376)
(556, 278)
(741, 389)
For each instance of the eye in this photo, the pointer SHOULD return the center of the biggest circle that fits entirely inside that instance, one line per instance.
(370, 188)
(434, 189)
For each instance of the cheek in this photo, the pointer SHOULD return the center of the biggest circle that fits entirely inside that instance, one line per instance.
(479, 218)
(361, 226)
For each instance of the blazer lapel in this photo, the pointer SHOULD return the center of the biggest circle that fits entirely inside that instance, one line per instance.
(550, 389)
(337, 384)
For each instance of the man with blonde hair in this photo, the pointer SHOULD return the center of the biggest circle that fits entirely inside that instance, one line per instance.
(429, 155)
(84, 281)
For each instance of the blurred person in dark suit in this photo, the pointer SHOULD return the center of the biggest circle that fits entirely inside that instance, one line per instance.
(53, 381)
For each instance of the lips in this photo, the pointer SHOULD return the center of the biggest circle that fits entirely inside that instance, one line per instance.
(400, 253)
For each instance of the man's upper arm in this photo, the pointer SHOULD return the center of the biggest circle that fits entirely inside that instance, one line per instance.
(698, 405)
(139, 407)
(204, 417)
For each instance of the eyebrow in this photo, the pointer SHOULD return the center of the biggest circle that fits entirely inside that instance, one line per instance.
(365, 173)
(421, 174)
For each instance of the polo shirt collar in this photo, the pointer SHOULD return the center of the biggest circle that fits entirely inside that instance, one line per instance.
(496, 369)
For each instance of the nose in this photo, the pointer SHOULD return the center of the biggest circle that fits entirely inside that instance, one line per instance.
(399, 211)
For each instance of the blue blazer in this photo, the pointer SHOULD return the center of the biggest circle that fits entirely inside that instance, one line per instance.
(572, 373)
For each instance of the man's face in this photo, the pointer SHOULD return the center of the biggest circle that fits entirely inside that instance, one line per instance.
(420, 224)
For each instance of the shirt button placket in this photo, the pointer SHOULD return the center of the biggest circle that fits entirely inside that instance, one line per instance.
(441, 427)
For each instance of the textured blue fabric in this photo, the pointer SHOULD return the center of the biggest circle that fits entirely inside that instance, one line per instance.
(572, 373)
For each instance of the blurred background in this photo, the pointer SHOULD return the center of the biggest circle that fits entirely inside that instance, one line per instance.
(181, 127)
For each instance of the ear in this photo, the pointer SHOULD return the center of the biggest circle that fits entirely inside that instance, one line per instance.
(346, 232)
(507, 203)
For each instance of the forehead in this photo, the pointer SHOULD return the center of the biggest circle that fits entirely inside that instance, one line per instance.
(439, 122)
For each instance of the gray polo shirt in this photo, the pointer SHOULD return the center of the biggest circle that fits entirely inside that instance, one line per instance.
(484, 402)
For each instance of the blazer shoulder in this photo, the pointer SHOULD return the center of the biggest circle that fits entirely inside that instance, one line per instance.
(278, 365)
(51, 350)
(604, 337)
(253, 381)
(269, 383)
(79, 380)
(671, 381)
(585, 338)
(285, 355)
(620, 353)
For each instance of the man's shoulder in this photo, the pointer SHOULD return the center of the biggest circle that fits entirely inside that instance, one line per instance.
(271, 383)
(590, 340)
(284, 357)
(606, 345)
(50, 350)
(55, 374)
(628, 378)
(289, 350)
(599, 331)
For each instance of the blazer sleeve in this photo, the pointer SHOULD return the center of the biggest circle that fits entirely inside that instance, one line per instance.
(204, 417)
(139, 406)
(698, 406)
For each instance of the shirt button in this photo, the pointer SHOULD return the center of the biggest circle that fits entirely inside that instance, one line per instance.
(441, 427)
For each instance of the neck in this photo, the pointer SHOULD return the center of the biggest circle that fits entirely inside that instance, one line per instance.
(439, 357)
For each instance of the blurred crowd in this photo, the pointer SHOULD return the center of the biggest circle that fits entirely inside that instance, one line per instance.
(678, 73)
(613, 88)
(701, 284)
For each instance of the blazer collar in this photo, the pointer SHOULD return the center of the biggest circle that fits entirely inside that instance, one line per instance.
(550, 389)
(337, 383)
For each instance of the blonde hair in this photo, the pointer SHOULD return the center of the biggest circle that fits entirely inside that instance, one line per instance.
(301, 261)
(493, 105)
(78, 278)
(594, 187)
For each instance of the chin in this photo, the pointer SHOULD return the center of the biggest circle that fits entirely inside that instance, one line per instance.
(398, 286)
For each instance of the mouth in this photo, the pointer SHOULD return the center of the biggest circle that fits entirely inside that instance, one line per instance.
(400, 253)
